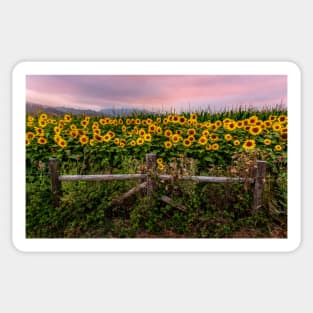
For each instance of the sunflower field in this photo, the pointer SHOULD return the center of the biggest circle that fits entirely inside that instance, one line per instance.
(220, 144)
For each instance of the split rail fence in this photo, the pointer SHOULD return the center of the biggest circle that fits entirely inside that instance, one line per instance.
(257, 179)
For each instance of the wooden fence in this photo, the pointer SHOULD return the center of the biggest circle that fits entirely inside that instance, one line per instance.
(257, 179)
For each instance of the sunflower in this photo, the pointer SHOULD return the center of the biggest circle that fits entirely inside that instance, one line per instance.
(159, 131)
(268, 123)
(283, 119)
(106, 138)
(168, 133)
(231, 126)
(191, 132)
(187, 143)
(182, 120)
(140, 141)
(168, 144)
(92, 142)
(84, 123)
(62, 143)
(272, 118)
(67, 118)
(175, 138)
(218, 123)
(191, 138)
(227, 120)
(98, 137)
(141, 132)
(39, 131)
(214, 137)
(193, 116)
(208, 147)
(111, 134)
(284, 136)
(42, 140)
(151, 128)
(213, 127)
(255, 130)
(175, 119)
(239, 124)
(215, 146)
(278, 148)
(159, 160)
(83, 139)
(42, 123)
(128, 121)
(203, 140)
(133, 143)
(205, 133)
(276, 126)
(120, 121)
(148, 137)
(252, 120)
(236, 142)
(30, 118)
(27, 141)
(228, 137)
(249, 144)
(96, 131)
(57, 138)
(30, 135)
(259, 123)
(161, 167)
(43, 116)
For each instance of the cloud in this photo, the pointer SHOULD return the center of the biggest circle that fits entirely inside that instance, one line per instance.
(156, 92)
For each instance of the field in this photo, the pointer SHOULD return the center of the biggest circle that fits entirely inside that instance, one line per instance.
(220, 144)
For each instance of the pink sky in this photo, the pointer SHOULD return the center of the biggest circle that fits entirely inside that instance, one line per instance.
(157, 92)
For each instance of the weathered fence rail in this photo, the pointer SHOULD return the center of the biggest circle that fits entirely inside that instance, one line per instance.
(257, 179)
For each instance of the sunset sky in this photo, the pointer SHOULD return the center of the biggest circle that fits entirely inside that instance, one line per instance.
(157, 92)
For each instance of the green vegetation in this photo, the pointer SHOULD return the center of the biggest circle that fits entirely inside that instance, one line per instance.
(223, 144)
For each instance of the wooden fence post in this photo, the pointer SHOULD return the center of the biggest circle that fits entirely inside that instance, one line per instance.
(151, 166)
(54, 167)
(259, 181)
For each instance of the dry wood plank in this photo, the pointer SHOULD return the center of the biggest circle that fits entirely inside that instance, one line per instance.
(150, 185)
(170, 201)
(104, 177)
(209, 179)
(259, 182)
(54, 168)
(129, 193)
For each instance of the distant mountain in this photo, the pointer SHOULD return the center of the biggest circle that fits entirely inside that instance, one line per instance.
(35, 108)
